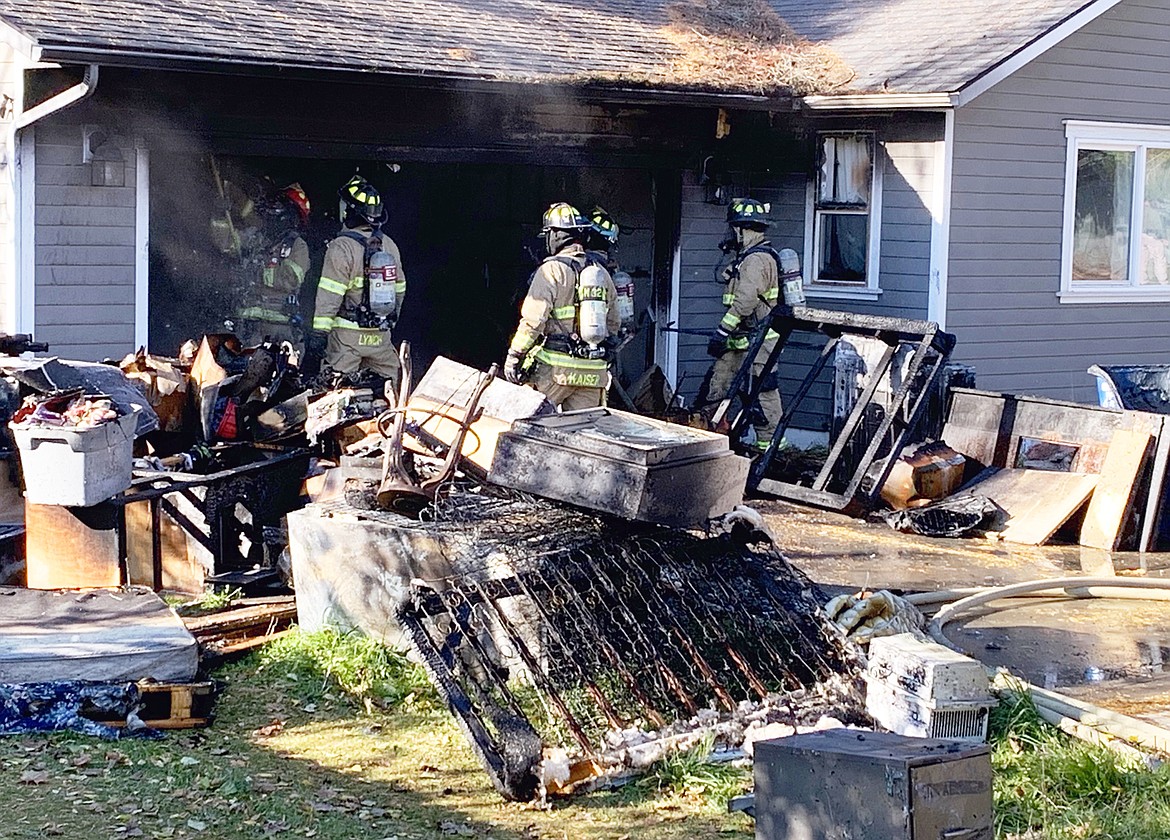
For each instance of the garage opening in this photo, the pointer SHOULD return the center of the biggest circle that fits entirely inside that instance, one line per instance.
(468, 233)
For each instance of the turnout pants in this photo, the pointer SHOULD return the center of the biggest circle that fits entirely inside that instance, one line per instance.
(723, 372)
(349, 350)
(564, 397)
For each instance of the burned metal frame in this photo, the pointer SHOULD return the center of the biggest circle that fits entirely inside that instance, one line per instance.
(253, 486)
(640, 629)
(931, 349)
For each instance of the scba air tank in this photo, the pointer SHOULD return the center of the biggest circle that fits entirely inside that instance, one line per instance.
(625, 297)
(382, 275)
(592, 306)
(791, 279)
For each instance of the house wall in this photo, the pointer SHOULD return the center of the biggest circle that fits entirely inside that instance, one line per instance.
(1007, 210)
(85, 248)
(908, 152)
(86, 235)
(11, 65)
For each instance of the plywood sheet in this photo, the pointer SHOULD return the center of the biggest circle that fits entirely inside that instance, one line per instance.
(184, 561)
(1037, 502)
(1112, 498)
(438, 405)
(72, 548)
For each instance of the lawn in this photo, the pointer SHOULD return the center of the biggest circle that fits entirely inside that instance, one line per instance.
(335, 738)
(331, 738)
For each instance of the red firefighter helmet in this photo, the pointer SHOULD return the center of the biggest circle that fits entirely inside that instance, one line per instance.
(294, 194)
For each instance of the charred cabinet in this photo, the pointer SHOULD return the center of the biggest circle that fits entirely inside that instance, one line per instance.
(844, 783)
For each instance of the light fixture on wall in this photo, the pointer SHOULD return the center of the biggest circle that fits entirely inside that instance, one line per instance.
(711, 180)
(104, 155)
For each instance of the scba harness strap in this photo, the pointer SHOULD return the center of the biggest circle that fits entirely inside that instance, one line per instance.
(574, 363)
(363, 315)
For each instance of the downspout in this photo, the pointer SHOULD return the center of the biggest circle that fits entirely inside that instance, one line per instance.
(82, 90)
(24, 294)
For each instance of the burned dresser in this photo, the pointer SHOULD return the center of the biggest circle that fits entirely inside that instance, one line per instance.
(624, 464)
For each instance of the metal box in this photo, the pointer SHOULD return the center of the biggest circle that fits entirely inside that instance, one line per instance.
(921, 688)
(845, 783)
(624, 464)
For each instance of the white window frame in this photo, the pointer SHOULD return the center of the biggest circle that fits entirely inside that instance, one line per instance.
(830, 290)
(1109, 136)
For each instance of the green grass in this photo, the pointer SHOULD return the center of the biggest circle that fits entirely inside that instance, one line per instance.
(689, 773)
(1049, 786)
(322, 736)
(329, 665)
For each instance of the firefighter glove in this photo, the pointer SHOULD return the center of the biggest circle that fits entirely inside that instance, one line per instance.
(314, 352)
(610, 347)
(512, 371)
(717, 344)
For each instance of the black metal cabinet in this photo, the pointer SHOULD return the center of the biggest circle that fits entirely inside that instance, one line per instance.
(843, 784)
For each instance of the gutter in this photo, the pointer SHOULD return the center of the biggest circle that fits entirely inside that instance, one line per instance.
(82, 90)
(881, 102)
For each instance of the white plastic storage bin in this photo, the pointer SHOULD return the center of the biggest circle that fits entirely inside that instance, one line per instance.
(64, 466)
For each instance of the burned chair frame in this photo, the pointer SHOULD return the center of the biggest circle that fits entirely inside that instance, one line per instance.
(931, 348)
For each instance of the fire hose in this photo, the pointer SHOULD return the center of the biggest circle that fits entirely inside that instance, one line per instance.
(1076, 717)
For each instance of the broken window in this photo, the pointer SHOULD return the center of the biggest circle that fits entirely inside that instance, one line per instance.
(1117, 227)
(842, 210)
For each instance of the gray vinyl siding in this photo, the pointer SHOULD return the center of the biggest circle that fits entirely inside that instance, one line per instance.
(909, 152)
(85, 249)
(1008, 204)
(907, 189)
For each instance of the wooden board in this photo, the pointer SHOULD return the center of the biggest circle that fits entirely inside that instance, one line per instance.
(1111, 500)
(184, 561)
(72, 548)
(1037, 502)
(1154, 493)
(988, 427)
(438, 405)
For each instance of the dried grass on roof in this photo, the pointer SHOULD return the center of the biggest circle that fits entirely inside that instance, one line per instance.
(744, 45)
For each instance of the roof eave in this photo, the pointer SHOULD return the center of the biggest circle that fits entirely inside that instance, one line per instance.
(591, 91)
(1032, 50)
(21, 43)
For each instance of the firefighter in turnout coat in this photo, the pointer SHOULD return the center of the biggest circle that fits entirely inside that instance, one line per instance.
(752, 291)
(569, 320)
(362, 287)
(273, 310)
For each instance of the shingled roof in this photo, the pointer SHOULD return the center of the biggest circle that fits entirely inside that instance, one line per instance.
(854, 46)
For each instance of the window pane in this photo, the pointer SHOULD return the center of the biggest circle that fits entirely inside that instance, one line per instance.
(1104, 203)
(843, 246)
(1156, 219)
(845, 172)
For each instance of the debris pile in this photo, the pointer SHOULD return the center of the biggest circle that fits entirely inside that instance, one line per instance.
(556, 628)
(745, 45)
(71, 411)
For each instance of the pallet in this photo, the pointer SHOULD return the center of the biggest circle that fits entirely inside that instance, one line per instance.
(173, 705)
(234, 632)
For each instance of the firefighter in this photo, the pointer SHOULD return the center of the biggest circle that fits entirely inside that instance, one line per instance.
(273, 308)
(752, 291)
(568, 321)
(600, 244)
(360, 294)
